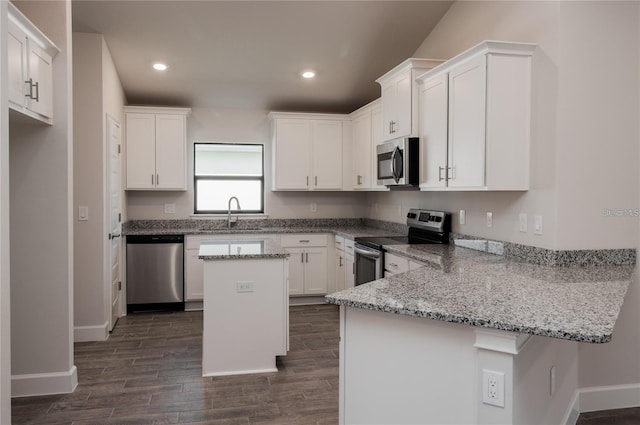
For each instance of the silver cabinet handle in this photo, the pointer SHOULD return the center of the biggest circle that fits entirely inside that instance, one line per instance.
(114, 235)
(37, 98)
(340, 261)
(307, 180)
(157, 179)
(359, 179)
(302, 257)
(393, 264)
(304, 241)
(151, 179)
(29, 83)
(451, 176)
(316, 180)
(440, 178)
(307, 254)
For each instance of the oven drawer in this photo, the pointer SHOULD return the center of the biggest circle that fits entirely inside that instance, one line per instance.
(394, 264)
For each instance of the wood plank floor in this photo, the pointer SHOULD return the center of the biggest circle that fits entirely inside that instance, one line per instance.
(149, 373)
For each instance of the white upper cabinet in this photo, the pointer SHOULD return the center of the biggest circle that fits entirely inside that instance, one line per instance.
(30, 71)
(308, 151)
(156, 144)
(475, 113)
(367, 133)
(400, 98)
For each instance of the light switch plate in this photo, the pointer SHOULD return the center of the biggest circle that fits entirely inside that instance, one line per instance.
(537, 224)
(463, 217)
(83, 213)
(489, 219)
(523, 222)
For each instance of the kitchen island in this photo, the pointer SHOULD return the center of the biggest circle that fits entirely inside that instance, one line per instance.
(419, 347)
(246, 306)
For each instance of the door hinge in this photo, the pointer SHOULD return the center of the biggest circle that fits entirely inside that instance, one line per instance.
(119, 285)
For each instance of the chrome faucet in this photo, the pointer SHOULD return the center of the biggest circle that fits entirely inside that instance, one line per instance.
(229, 211)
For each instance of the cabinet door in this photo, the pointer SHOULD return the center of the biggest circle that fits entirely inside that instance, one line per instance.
(350, 277)
(361, 154)
(376, 139)
(293, 150)
(141, 151)
(315, 273)
(327, 154)
(433, 132)
(193, 276)
(340, 274)
(296, 271)
(41, 76)
(388, 110)
(402, 125)
(170, 152)
(467, 107)
(17, 72)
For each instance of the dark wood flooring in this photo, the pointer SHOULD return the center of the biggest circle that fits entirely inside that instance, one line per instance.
(149, 373)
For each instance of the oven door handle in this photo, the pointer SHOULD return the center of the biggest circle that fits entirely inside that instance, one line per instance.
(366, 252)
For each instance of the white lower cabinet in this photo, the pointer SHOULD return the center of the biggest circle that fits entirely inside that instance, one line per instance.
(308, 263)
(344, 260)
(194, 267)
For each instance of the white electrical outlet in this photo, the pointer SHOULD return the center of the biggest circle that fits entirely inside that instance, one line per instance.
(244, 286)
(313, 207)
(523, 222)
(489, 219)
(537, 224)
(169, 208)
(493, 388)
(463, 217)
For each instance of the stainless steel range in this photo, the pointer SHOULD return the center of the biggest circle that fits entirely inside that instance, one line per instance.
(425, 227)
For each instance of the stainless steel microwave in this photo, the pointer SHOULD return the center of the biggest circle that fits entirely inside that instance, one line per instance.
(398, 162)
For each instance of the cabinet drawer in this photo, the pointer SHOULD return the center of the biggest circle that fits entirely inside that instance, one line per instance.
(348, 246)
(395, 264)
(339, 243)
(304, 240)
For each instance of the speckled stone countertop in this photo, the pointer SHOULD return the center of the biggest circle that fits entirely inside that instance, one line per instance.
(344, 227)
(233, 249)
(461, 285)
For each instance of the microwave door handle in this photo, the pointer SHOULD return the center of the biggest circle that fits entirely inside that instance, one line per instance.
(394, 172)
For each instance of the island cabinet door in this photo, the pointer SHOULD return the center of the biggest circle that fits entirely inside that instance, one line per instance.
(315, 273)
(193, 276)
(296, 271)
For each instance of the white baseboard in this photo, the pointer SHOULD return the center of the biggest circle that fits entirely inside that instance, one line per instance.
(593, 399)
(44, 383)
(91, 333)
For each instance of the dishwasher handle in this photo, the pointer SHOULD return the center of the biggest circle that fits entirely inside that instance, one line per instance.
(366, 252)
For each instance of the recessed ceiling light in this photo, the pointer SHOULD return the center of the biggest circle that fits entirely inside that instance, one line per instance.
(308, 74)
(159, 66)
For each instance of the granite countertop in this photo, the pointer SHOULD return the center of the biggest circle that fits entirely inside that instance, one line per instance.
(350, 232)
(461, 285)
(234, 249)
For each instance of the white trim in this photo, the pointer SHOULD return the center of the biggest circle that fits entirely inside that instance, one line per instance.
(593, 399)
(44, 383)
(501, 341)
(609, 397)
(241, 372)
(91, 333)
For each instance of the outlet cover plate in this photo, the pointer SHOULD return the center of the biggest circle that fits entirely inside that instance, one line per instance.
(493, 388)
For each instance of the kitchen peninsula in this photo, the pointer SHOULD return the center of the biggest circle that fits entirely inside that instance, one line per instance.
(420, 347)
(246, 306)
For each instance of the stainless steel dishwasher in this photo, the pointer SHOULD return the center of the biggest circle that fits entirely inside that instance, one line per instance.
(155, 273)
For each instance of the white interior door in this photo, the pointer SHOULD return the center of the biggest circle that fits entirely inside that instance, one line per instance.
(115, 220)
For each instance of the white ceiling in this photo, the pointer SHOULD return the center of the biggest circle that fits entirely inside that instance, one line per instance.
(248, 54)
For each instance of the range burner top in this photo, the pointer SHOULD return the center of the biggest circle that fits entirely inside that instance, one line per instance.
(425, 227)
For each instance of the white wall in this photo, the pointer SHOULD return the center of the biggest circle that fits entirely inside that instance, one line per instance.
(218, 125)
(585, 145)
(5, 312)
(41, 185)
(584, 134)
(97, 92)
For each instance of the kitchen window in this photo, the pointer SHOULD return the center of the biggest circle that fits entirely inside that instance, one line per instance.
(223, 170)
